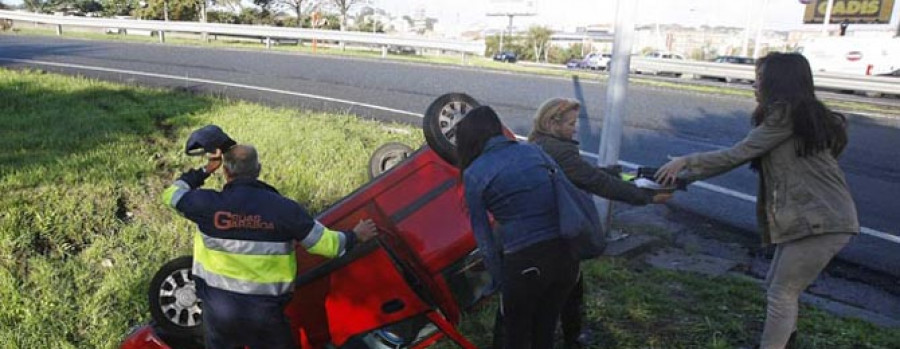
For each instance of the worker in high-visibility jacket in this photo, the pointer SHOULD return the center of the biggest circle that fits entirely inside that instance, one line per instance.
(244, 259)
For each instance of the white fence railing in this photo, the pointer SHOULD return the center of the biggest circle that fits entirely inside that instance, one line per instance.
(837, 81)
(262, 32)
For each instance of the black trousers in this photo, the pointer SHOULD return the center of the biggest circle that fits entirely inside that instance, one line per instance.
(536, 283)
(572, 316)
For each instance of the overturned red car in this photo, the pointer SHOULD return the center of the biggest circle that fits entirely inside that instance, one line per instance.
(404, 289)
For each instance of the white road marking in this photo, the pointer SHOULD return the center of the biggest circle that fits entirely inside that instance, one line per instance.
(212, 82)
(704, 185)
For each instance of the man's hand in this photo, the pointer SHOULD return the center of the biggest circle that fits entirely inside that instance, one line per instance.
(365, 230)
(213, 162)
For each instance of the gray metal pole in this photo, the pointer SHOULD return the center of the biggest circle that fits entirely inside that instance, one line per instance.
(614, 111)
(827, 19)
(759, 29)
(746, 41)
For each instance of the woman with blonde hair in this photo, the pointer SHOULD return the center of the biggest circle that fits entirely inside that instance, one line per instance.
(554, 131)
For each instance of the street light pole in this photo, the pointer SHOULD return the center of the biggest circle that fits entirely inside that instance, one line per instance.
(759, 29)
(614, 112)
(827, 19)
(746, 41)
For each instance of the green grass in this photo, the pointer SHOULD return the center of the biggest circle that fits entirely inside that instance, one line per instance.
(81, 226)
(82, 230)
(631, 306)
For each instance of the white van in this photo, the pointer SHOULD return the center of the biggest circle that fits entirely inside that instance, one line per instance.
(856, 56)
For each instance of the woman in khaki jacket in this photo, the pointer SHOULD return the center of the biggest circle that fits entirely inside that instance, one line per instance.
(804, 206)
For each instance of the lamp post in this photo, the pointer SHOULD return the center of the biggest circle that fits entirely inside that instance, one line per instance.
(759, 29)
(616, 90)
(827, 19)
(746, 42)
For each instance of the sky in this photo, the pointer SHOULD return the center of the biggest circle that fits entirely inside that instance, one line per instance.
(779, 14)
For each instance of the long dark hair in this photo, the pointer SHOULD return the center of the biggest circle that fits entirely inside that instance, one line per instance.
(785, 81)
(473, 131)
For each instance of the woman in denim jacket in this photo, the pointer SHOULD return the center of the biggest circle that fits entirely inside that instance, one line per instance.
(804, 206)
(534, 267)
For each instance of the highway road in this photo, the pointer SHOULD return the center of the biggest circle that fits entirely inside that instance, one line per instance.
(659, 121)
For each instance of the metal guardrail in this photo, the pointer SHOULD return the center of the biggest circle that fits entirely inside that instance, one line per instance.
(877, 84)
(263, 32)
(862, 83)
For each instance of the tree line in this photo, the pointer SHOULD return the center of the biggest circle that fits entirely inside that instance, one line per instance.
(294, 13)
(533, 45)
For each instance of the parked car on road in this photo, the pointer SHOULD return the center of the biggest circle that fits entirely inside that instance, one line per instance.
(596, 61)
(506, 56)
(730, 60)
(402, 50)
(661, 55)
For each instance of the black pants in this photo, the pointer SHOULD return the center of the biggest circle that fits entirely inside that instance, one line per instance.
(232, 320)
(572, 314)
(536, 283)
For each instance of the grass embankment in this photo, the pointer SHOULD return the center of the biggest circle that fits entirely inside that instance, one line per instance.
(81, 226)
(82, 229)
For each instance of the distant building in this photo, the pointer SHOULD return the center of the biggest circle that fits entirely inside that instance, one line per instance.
(705, 43)
(596, 38)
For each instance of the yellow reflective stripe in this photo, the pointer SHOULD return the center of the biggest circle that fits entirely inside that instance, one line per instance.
(174, 192)
(240, 286)
(168, 194)
(253, 268)
(330, 245)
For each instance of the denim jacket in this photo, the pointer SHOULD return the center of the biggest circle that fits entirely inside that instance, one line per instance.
(511, 181)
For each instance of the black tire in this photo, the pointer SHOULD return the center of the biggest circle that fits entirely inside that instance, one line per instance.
(174, 304)
(440, 120)
(386, 157)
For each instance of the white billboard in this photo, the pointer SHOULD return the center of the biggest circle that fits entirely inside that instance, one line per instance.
(504, 7)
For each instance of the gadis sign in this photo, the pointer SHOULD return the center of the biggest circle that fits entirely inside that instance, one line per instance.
(854, 11)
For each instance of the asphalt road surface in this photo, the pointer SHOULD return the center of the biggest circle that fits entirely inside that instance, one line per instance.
(659, 121)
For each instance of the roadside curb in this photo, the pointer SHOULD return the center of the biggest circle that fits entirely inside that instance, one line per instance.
(662, 237)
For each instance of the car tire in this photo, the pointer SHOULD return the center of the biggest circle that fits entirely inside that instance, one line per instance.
(386, 157)
(439, 123)
(174, 304)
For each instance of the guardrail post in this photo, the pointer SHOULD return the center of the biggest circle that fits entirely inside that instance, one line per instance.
(464, 58)
(162, 37)
(268, 42)
(384, 51)
(59, 29)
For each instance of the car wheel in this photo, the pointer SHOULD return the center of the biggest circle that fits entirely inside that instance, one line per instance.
(174, 304)
(439, 123)
(386, 157)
